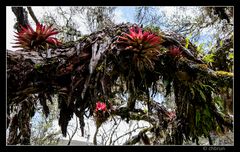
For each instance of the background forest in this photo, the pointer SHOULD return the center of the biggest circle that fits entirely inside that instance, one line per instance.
(103, 75)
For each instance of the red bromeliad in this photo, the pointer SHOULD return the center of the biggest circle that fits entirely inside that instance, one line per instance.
(140, 41)
(144, 45)
(100, 113)
(27, 38)
(175, 51)
(100, 106)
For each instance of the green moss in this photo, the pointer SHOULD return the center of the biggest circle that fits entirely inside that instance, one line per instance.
(37, 66)
(224, 73)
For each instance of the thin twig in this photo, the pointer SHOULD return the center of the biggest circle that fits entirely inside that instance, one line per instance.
(73, 132)
(127, 133)
(111, 136)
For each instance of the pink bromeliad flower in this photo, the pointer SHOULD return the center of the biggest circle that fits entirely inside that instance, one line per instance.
(145, 46)
(27, 38)
(175, 51)
(138, 40)
(100, 106)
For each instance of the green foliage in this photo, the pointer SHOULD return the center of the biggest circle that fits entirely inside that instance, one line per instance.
(221, 43)
(200, 48)
(202, 95)
(230, 56)
(219, 101)
(38, 67)
(187, 39)
(153, 29)
(195, 101)
(145, 110)
(192, 92)
(197, 118)
(209, 58)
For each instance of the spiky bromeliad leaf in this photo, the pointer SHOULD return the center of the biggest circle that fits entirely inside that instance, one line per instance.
(202, 95)
(192, 92)
(27, 38)
(187, 42)
(197, 118)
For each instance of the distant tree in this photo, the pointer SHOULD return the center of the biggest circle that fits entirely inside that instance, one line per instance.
(99, 17)
(67, 20)
(149, 15)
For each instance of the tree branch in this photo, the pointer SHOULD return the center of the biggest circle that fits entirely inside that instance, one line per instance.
(32, 15)
(21, 15)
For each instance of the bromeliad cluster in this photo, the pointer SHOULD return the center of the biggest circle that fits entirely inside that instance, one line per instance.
(29, 39)
(144, 45)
